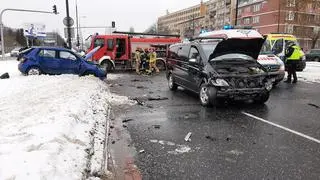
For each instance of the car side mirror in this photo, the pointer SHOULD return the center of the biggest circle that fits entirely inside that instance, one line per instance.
(193, 61)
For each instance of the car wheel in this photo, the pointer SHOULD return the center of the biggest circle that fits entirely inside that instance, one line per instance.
(172, 85)
(263, 98)
(317, 59)
(33, 71)
(208, 96)
(106, 65)
(161, 65)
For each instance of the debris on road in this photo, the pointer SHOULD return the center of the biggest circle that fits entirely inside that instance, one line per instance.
(156, 126)
(111, 126)
(125, 126)
(139, 101)
(228, 139)
(113, 142)
(187, 138)
(141, 87)
(180, 150)
(5, 76)
(141, 151)
(157, 98)
(211, 138)
(127, 120)
(235, 152)
(314, 105)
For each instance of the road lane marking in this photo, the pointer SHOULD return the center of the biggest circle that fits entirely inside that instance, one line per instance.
(282, 127)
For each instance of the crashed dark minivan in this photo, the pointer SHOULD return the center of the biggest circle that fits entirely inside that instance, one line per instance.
(220, 66)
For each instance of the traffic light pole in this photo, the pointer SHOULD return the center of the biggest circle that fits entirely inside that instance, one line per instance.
(68, 25)
(2, 26)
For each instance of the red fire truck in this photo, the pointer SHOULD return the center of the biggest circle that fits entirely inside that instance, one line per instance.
(117, 50)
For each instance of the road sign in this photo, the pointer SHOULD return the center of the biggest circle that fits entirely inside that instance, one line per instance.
(66, 32)
(65, 21)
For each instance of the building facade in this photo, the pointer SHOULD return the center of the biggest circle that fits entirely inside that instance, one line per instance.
(298, 17)
(186, 22)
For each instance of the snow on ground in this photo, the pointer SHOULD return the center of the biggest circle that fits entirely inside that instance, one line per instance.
(311, 73)
(50, 126)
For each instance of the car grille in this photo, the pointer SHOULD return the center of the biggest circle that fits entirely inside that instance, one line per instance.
(248, 82)
(272, 68)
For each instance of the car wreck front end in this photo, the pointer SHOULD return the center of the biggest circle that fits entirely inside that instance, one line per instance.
(240, 79)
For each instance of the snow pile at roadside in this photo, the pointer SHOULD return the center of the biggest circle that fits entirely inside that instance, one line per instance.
(311, 73)
(51, 126)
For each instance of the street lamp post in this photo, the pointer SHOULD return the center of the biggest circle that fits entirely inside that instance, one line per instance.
(237, 9)
(19, 10)
(68, 25)
(77, 19)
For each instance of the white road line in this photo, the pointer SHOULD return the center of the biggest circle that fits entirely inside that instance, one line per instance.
(281, 127)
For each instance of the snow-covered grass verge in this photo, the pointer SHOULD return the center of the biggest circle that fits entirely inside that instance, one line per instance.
(311, 73)
(52, 127)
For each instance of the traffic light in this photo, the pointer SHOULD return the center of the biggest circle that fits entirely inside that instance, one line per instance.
(54, 9)
(113, 24)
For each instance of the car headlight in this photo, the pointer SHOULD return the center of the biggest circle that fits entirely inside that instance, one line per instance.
(219, 82)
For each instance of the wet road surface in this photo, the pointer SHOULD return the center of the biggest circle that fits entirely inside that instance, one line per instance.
(229, 142)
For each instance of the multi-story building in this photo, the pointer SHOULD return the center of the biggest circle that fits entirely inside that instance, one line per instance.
(298, 17)
(186, 22)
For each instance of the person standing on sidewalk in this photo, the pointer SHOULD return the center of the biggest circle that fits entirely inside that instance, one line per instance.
(292, 57)
(137, 57)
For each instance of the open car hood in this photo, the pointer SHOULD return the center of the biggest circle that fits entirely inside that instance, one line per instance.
(91, 53)
(250, 47)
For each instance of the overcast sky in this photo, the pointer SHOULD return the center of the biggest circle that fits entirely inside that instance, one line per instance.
(139, 14)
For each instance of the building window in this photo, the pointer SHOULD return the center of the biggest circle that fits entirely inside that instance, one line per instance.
(246, 21)
(256, 20)
(289, 29)
(239, 12)
(291, 3)
(290, 16)
(257, 7)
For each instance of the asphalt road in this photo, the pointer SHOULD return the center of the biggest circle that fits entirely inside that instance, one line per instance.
(278, 140)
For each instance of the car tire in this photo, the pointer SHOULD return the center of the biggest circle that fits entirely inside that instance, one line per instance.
(171, 83)
(316, 59)
(33, 71)
(263, 98)
(208, 96)
(106, 65)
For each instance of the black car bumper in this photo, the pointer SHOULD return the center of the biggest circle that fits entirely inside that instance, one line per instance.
(241, 94)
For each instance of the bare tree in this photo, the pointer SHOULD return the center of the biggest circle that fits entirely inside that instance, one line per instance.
(305, 14)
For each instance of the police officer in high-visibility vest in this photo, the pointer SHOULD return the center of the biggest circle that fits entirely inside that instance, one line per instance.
(153, 61)
(293, 56)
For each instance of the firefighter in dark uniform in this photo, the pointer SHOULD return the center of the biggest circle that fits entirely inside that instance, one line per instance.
(293, 55)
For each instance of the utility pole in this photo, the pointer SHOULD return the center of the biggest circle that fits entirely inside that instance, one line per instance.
(68, 25)
(77, 19)
(237, 9)
(19, 10)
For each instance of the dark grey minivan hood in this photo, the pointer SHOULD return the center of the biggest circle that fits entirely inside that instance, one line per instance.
(250, 47)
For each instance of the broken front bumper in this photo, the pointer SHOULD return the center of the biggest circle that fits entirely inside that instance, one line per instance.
(241, 94)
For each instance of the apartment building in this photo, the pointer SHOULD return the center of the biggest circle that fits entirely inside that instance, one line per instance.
(186, 22)
(298, 17)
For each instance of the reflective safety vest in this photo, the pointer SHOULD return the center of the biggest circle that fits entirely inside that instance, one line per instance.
(153, 57)
(296, 55)
(137, 56)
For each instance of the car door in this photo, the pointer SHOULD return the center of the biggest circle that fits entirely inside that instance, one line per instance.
(69, 62)
(194, 68)
(182, 65)
(48, 61)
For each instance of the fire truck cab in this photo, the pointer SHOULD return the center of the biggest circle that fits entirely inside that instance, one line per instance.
(116, 50)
